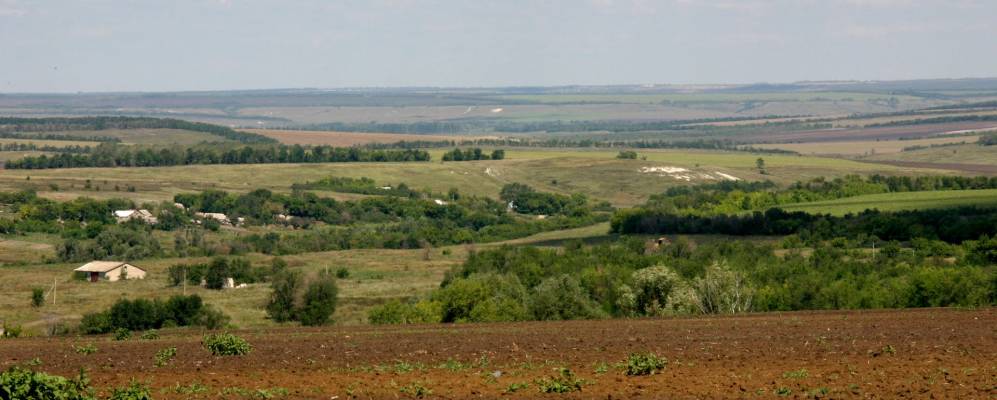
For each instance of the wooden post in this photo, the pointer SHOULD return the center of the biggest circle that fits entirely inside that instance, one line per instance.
(55, 287)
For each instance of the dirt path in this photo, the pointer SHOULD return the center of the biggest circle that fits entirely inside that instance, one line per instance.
(932, 353)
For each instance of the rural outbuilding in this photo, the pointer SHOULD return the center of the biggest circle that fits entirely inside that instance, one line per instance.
(110, 270)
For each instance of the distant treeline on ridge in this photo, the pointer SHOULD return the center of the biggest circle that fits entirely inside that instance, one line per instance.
(13, 125)
(129, 156)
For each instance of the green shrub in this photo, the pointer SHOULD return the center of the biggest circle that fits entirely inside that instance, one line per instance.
(11, 331)
(122, 334)
(627, 155)
(416, 389)
(396, 312)
(144, 314)
(284, 286)
(21, 383)
(797, 374)
(87, 349)
(166, 355)
(37, 297)
(342, 273)
(151, 334)
(564, 382)
(515, 387)
(226, 344)
(562, 298)
(217, 271)
(95, 323)
(319, 300)
(483, 298)
(134, 391)
(212, 318)
(313, 307)
(643, 364)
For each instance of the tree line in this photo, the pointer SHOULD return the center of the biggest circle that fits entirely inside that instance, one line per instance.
(628, 278)
(134, 156)
(705, 144)
(952, 225)
(738, 196)
(44, 147)
(474, 154)
(363, 185)
(55, 124)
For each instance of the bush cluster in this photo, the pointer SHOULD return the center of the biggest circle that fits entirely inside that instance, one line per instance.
(226, 344)
(474, 154)
(214, 273)
(21, 383)
(312, 303)
(627, 279)
(143, 314)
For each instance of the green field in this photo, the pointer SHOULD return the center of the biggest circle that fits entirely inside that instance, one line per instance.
(376, 275)
(963, 154)
(53, 143)
(147, 136)
(899, 201)
(597, 173)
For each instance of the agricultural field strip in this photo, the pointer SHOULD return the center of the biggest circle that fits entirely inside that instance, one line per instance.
(46, 142)
(879, 354)
(595, 172)
(899, 201)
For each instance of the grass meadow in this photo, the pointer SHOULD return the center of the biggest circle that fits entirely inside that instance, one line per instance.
(900, 201)
(596, 173)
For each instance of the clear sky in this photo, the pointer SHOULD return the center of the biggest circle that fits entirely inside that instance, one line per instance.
(138, 45)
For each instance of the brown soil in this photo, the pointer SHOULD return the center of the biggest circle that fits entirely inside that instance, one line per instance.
(928, 353)
(880, 133)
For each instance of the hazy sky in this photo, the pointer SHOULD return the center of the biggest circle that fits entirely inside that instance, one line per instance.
(94, 45)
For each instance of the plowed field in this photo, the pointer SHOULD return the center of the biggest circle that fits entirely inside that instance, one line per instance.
(931, 353)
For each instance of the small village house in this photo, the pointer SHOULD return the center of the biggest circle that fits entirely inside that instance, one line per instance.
(221, 218)
(110, 270)
(128, 215)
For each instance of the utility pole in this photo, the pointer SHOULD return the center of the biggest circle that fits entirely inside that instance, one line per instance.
(55, 287)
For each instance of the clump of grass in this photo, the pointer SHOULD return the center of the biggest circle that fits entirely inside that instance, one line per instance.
(638, 364)
(87, 349)
(134, 391)
(226, 344)
(151, 334)
(166, 355)
(888, 349)
(122, 334)
(453, 365)
(798, 374)
(193, 388)
(564, 382)
(515, 387)
(601, 367)
(402, 367)
(255, 393)
(416, 389)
